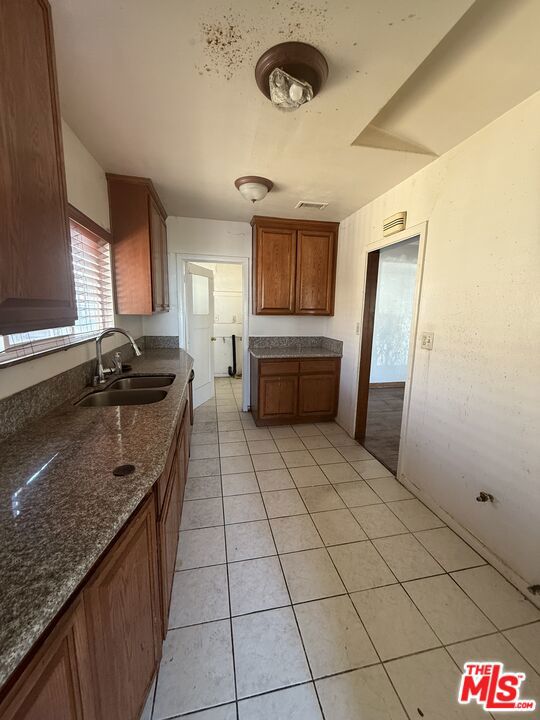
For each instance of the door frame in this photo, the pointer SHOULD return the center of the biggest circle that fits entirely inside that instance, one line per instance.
(366, 333)
(181, 261)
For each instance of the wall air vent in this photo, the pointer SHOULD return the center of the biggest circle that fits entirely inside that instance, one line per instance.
(394, 223)
(311, 205)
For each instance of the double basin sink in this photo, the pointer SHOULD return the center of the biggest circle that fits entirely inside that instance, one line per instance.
(139, 390)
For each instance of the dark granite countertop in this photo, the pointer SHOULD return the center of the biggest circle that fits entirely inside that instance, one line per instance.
(60, 504)
(264, 353)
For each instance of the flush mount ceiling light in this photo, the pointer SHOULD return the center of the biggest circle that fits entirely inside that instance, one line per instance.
(253, 187)
(291, 74)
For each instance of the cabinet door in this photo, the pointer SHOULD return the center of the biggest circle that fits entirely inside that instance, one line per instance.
(275, 260)
(124, 623)
(169, 527)
(278, 397)
(315, 272)
(57, 683)
(156, 254)
(318, 394)
(36, 274)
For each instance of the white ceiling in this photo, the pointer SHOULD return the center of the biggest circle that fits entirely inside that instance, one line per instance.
(165, 89)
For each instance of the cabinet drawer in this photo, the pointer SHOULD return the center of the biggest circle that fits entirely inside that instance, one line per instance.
(321, 365)
(287, 367)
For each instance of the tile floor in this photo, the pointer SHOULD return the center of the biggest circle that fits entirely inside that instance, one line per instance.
(310, 584)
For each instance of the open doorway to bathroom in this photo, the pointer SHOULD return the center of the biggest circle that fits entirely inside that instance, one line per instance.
(389, 311)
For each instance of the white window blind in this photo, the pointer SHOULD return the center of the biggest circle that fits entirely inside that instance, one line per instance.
(93, 289)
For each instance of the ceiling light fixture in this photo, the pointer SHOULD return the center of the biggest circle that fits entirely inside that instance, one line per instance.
(291, 74)
(253, 187)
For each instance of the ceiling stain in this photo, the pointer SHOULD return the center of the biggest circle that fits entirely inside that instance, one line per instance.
(232, 40)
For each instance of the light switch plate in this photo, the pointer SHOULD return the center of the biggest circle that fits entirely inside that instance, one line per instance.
(427, 341)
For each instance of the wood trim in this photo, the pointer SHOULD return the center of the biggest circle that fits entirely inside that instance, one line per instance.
(136, 180)
(88, 224)
(294, 223)
(372, 275)
(382, 385)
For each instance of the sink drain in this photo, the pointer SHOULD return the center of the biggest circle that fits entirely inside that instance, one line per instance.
(122, 470)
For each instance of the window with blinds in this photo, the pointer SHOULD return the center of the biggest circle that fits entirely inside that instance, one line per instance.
(93, 288)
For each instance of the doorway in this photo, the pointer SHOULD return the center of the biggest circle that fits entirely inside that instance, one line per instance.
(214, 335)
(389, 317)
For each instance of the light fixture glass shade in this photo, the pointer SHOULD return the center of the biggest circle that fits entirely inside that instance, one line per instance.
(253, 187)
(288, 92)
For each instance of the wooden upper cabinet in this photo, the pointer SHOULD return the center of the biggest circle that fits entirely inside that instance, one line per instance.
(36, 274)
(294, 266)
(139, 246)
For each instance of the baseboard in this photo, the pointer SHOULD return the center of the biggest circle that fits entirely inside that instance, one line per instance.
(471, 540)
(387, 385)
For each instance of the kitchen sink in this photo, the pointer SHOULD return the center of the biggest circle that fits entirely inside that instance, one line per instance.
(146, 381)
(122, 397)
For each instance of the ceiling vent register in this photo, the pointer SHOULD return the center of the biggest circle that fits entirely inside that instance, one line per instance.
(310, 205)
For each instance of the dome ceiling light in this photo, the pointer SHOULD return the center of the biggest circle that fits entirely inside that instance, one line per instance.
(253, 187)
(291, 74)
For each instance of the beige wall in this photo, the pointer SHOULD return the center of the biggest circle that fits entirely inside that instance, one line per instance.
(87, 190)
(475, 398)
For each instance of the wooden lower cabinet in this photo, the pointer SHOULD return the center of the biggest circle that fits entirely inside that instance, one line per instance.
(294, 390)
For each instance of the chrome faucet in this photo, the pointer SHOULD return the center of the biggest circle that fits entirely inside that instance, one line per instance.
(101, 372)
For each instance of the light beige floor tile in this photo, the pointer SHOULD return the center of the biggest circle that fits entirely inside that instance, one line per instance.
(243, 508)
(378, 521)
(203, 438)
(298, 458)
(370, 469)
(293, 703)
(228, 416)
(342, 439)
(326, 456)
(231, 465)
(290, 443)
(308, 476)
(496, 647)
(449, 549)
(340, 473)
(527, 641)
(329, 428)
(204, 487)
(356, 494)
(231, 426)
(275, 480)
(268, 461)
(257, 585)
(334, 637)
(451, 614)
(203, 452)
(249, 540)
(284, 431)
(429, 683)
(201, 513)
(199, 596)
(355, 452)
(257, 434)
(361, 566)
(394, 624)
(247, 422)
(306, 430)
(239, 483)
(233, 449)
(311, 575)
(406, 557)
(257, 447)
(364, 694)
(268, 652)
(337, 527)
(198, 548)
(204, 427)
(321, 497)
(313, 442)
(295, 533)
(281, 503)
(203, 468)
(388, 489)
(501, 602)
(196, 670)
(415, 515)
(149, 704)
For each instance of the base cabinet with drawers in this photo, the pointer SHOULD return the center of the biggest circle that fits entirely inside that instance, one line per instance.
(294, 390)
(100, 658)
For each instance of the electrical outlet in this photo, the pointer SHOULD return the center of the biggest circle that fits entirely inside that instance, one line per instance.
(427, 341)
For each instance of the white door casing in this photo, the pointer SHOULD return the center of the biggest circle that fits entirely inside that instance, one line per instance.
(200, 327)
